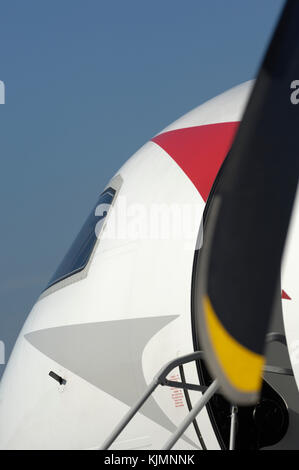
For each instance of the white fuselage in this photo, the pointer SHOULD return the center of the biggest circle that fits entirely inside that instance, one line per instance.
(108, 329)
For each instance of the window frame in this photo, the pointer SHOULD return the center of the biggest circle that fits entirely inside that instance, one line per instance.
(81, 273)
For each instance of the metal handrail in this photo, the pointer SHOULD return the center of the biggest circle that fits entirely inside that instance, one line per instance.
(207, 394)
(161, 379)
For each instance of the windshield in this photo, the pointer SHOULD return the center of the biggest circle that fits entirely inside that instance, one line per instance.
(79, 253)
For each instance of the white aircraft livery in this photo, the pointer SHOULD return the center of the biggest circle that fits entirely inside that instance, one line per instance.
(122, 304)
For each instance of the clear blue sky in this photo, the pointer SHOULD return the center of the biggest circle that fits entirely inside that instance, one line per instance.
(87, 83)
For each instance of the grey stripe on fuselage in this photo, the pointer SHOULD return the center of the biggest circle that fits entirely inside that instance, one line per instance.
(109, 356)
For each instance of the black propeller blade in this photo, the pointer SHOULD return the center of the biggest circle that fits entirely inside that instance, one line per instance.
(247, 222)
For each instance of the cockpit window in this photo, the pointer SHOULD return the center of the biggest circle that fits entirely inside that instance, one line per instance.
(79, 253)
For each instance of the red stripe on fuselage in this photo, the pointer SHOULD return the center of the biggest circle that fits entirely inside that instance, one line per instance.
(199, 151)
(284, 295)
